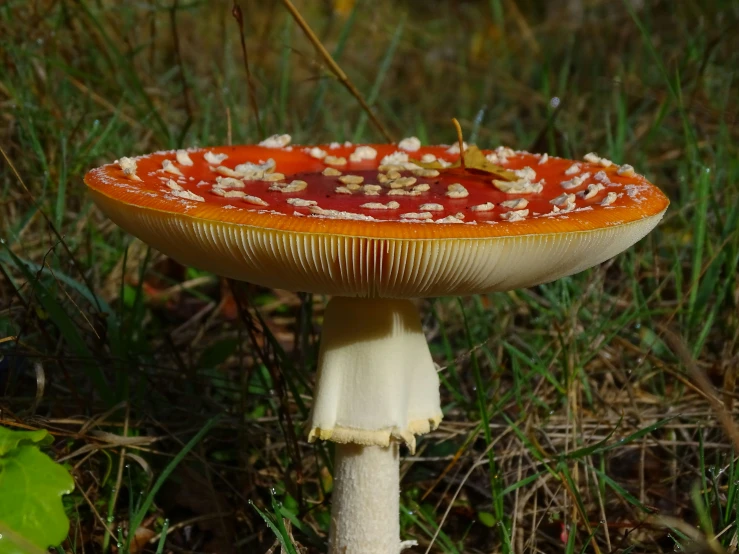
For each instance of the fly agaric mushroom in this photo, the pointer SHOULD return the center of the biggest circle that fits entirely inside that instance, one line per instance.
(375, 226)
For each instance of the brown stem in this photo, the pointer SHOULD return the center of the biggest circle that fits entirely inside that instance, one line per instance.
(239, 17)
(461, 141)
(335, 67)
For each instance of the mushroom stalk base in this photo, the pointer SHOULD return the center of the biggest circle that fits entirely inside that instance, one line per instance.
(365, 501)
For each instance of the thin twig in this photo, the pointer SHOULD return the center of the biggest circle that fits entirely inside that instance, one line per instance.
(677, 344)
(96, 513)
(460, 140)
(269, 360)
(178, 56)
(239, 17)
(576, 509)
(121, 463)
(186, 522)
(481, 460)
(116, 110)
(335, 67)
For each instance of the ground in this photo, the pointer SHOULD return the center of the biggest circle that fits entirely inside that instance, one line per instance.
(592, 414)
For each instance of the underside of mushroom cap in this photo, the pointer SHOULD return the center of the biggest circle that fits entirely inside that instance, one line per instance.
(376, 379)
(375, 267)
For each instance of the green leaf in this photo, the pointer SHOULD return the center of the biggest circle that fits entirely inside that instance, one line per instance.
(486, 518)
(10, 440)
(31, 490)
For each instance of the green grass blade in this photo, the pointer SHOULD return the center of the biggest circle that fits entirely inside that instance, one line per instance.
(68, 329)
(142, 510)
(163, 537)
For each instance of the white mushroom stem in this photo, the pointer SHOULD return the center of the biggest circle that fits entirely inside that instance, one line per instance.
(366, 501)
(376, 378)
(377, 386)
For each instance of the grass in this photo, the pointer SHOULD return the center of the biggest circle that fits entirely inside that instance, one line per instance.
(580, 416)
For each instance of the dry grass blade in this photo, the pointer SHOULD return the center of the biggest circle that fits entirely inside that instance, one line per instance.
(104, 103)
(722, 414)
(343, 78)
(94, 510)
(238, 15)
(700, 544)
(121, 463)
(185, 522)
(50, 224)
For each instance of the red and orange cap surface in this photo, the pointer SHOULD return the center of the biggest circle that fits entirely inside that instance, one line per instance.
(378, 220)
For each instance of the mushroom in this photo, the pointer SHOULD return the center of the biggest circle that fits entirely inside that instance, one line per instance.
(377, 387)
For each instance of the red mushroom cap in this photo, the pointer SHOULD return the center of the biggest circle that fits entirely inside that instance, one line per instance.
(400, 230)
